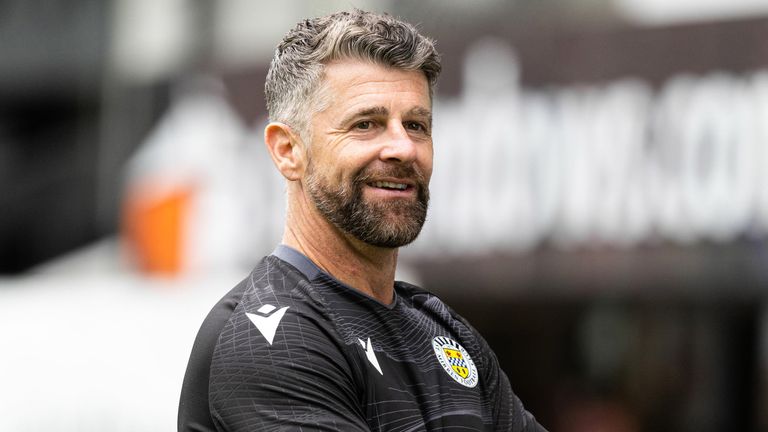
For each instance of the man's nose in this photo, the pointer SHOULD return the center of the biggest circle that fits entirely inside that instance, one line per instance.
(398, 145)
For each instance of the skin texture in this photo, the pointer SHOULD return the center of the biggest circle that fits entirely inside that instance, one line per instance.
(378, 122)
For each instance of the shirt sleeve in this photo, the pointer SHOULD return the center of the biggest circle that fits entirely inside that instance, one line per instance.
(522, 420)
(302, 380)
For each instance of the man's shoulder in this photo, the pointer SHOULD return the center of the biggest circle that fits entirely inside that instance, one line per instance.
(414, 294)
(421, 298)
(425, 302)
(268, 269)
(250, 314)
(193, 404)
(271, 277)
(278, 307)
(275, 283)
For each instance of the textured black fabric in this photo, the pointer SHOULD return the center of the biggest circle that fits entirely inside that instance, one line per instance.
(283, 352)
(194, 414)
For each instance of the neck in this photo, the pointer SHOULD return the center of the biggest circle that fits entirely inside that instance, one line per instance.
(367, 268)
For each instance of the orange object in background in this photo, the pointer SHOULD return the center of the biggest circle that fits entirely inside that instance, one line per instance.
(154, 226)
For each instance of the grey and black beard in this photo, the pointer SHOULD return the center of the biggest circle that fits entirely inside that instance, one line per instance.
(388, 224)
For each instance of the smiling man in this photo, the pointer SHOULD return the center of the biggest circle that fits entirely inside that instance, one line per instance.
(319, 336)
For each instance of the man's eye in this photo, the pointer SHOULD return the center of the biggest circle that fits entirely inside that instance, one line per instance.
(364, 125)
(415, 126)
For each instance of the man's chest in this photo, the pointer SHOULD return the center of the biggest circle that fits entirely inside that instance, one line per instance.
(415, 372)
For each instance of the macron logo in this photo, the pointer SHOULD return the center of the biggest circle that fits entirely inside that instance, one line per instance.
(370, 354)
(267, 320)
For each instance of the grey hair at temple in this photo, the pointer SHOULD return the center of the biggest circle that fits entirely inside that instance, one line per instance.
(293, 89)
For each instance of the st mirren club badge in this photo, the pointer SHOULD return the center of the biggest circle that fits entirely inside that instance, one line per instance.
(455, 360)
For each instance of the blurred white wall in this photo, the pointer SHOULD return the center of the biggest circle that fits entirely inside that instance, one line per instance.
(657, 12)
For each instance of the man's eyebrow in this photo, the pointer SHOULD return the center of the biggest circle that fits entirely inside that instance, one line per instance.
(421, 112)
(380, 111)
(376, 111)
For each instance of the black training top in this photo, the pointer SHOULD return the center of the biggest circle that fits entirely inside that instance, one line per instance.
(292, 348)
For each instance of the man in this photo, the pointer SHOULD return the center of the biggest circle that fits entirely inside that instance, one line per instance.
(320, 336)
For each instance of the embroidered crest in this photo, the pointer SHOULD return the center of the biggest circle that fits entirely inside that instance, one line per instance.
(455, 360)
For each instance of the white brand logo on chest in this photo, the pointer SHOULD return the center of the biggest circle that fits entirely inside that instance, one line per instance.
(370, 354)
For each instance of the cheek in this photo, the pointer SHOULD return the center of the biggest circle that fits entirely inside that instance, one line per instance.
(342, 170)
(351, 162)
(343, 159)
(327, 165)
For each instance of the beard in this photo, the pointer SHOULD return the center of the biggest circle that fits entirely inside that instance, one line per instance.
(387, 224)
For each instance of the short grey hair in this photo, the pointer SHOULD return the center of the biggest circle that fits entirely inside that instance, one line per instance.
(295, 74)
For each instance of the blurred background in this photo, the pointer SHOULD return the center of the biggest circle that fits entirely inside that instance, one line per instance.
(599, 210)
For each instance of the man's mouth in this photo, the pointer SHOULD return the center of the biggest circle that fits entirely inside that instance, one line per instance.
(389, 185)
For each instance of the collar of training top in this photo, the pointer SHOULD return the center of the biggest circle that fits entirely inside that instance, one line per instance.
(298, 260)
(311, 270)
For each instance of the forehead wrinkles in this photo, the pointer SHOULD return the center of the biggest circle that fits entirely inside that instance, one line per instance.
(357, 87)
(380, 101)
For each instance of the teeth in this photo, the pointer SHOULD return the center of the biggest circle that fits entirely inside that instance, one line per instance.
(390, 185)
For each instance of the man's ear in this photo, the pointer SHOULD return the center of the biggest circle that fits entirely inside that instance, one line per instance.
(286, 150)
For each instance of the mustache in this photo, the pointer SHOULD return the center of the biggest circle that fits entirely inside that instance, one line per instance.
(406, 172)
